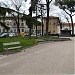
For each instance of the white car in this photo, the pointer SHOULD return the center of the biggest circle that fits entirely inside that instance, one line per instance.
(12, 34)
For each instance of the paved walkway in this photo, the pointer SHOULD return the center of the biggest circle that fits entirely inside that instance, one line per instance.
(55, 58)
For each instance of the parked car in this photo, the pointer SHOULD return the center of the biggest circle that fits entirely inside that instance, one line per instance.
(26, 34)
(3, 35)
(33, 35)
(12, 34)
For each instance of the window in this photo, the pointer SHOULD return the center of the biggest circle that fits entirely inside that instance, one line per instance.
(50, 23)
(54, 31)
(22, 30)
(14, 30)
(10, 23)
(3, 30)
(22, 20)
(54, 23)
(11, 30)
(7, 23)
(14, 24)
(0, 30)
(22, 24)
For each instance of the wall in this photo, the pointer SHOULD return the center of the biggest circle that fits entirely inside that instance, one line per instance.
(54, 26)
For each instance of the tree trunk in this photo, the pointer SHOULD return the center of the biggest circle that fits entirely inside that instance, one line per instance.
(29, 32)
(72, 25)
(47, 20)
(42, 19)
(36, 19)
(30, 11)
(18, 30)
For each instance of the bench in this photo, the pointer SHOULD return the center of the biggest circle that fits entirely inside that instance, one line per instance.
(54, 35)
(10, 46)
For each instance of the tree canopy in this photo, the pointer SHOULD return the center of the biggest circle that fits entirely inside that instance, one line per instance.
(3, 14)
(69, 7)
(30, 21)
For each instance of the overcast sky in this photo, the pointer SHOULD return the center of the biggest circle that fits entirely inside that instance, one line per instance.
(54, 11)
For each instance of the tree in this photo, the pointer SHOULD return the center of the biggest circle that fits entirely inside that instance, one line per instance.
(3, 12)
(16, 4)
(30, 22)
(63, 17)
(66, 17)
(69, 7)
(5, 27)
(47, 20)
(32, 7)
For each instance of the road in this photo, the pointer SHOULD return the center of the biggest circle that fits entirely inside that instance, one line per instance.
(55, 58)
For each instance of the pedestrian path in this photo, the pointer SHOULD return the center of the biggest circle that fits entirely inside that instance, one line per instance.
(56, 58)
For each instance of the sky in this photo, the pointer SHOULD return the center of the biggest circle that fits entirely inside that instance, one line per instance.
(54, 10)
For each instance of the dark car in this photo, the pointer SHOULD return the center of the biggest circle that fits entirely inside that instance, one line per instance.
(3, 35)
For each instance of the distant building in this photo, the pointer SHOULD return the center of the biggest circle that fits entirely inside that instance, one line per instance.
(54, 26)
(68, 26)
(10, 22)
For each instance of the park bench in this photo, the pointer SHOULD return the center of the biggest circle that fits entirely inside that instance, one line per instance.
(54, 35)
(11, 46)
(40, 40)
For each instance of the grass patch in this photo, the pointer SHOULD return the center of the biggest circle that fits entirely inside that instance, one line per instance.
(25, 42)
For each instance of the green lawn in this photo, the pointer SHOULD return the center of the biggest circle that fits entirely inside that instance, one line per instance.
(25, 42)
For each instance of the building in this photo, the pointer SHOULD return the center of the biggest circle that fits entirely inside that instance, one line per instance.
(54, 26)
(67, 27)
(10, 22)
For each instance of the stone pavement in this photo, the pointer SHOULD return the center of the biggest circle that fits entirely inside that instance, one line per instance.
(55, 58)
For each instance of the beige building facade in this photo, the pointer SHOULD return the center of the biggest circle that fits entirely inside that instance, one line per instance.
(54, 26)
